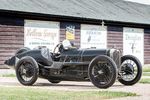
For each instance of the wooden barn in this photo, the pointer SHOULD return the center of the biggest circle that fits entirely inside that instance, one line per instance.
(88, 23)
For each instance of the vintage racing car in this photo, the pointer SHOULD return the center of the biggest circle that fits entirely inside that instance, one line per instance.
(100, 66)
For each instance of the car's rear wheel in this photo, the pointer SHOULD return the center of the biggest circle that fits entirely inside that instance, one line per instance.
(27, 70)
(130, 70)
(54, 81)
(102, 71)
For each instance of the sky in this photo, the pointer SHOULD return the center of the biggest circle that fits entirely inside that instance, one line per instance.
(140, 1)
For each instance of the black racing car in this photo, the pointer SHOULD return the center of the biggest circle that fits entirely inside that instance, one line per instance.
(68, 63)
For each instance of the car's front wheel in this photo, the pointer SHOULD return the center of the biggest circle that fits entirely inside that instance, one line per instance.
(102, 71)
(27, 70)
(130, 70)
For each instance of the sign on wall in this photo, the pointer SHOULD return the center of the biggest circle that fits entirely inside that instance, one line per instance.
(93, 36)
(133, 42)
(41, 33)
(70, 29)
(70, 32)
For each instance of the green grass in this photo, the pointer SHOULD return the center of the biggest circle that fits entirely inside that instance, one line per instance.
(146, 69)
(146, 73)
(19, 93)
(145, 80)
(8, 75)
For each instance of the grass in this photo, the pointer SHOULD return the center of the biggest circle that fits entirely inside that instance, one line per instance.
(19, 93)
(145, 80)
(8, 75)
(146, 69)
(146, 73)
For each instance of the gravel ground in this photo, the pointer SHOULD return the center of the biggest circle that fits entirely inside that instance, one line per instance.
(7, 71)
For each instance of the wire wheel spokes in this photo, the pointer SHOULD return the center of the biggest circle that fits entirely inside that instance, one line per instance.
(129, 70)
(26, 71)
(102, 72)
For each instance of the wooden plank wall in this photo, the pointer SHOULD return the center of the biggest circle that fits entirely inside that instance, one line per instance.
(11, 37)
(147, 46)
(115, 37)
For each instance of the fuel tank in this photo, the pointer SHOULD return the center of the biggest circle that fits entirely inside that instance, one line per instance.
(81, 55)
(89, 54)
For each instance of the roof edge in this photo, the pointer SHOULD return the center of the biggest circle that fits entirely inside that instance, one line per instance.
(49, 17)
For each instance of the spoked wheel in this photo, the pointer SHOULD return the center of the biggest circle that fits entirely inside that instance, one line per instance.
(27, 71)
(54, 81)
(102, 72)
(130, 70)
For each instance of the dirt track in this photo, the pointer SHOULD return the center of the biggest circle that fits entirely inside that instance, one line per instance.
(141, 89)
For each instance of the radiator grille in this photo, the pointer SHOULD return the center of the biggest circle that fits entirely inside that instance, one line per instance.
(115, 55)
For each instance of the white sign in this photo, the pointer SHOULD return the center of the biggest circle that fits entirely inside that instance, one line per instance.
(41, 33)
(133, 42)
(93, 36)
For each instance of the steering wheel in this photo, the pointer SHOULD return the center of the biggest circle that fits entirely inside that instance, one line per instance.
(65, 45)
(59, 47)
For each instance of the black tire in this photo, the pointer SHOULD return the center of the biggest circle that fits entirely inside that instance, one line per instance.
(27, 67)
(128, 69)
(54, 81)
(102, 71)
(24, 49)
